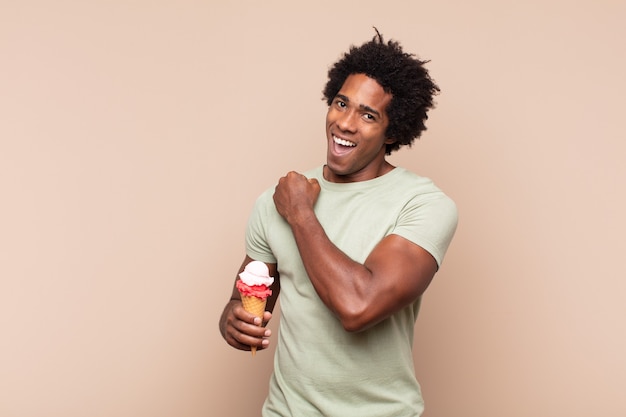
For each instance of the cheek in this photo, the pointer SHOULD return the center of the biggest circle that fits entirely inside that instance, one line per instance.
(330, 115)
(328, 119)
(376, 135)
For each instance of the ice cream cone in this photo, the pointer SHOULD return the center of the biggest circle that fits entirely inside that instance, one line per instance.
(255, 306)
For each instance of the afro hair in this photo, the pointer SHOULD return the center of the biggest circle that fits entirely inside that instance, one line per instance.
(400, 74)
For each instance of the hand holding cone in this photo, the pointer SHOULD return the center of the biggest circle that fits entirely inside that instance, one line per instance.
(255, 306)
(253, 286)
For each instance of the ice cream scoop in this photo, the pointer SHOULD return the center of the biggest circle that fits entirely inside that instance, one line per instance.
(256, 273)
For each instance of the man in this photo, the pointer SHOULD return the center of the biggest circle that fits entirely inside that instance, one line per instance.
(352, 244)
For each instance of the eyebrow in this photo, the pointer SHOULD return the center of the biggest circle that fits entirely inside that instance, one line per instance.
(361, 106)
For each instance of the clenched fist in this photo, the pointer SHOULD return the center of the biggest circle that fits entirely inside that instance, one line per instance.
(295, 196)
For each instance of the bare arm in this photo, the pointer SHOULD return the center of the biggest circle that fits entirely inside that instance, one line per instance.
(395, 273)
(241, 329)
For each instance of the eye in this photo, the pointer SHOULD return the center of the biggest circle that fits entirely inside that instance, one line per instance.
(340, 103)
(369, 117)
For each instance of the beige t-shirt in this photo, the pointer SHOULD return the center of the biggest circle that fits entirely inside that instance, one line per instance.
(319, 368)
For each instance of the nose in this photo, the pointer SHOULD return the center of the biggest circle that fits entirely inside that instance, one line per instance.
(346, 121)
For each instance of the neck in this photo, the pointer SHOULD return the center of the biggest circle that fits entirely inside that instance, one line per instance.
(358, 176)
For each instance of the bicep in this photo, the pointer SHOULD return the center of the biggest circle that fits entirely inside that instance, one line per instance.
(401, 272)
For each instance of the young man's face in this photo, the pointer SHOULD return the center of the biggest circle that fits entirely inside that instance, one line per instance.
(355, 129)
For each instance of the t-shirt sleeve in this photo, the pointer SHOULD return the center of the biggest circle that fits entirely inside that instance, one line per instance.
(430, 223)
(257, 242)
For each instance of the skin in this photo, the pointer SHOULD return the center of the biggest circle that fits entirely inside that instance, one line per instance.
(395, 273)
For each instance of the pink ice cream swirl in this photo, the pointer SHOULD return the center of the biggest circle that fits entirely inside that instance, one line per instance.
(255, 280)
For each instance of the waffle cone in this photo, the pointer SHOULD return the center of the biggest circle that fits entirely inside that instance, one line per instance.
(255, 306)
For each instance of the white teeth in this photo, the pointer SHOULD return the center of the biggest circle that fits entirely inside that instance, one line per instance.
(343, 142)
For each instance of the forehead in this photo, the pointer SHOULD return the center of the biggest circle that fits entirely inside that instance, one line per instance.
(362, 90)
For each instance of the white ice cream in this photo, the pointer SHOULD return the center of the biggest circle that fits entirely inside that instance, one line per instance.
(256, 273)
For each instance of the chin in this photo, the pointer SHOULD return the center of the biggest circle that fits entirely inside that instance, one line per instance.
(338, 172)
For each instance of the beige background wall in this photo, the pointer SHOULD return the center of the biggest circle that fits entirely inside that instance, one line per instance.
(134, 137)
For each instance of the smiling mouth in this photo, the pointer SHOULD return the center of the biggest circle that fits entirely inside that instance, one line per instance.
(343, 142)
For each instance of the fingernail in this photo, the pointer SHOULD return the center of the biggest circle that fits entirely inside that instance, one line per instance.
(268, 333)
(257, 321)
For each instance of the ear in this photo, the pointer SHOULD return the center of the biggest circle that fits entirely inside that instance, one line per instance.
(389, 141)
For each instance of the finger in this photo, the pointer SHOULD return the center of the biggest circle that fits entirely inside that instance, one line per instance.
(253, 329)
(241, 314)
(241, 339)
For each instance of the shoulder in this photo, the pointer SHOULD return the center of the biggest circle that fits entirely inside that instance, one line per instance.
(417, 188)
(416, 182)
